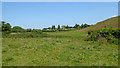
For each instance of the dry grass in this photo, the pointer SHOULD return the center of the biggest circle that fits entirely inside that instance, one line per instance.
(109, 23)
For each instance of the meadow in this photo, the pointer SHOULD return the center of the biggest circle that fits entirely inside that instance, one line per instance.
(68, 48)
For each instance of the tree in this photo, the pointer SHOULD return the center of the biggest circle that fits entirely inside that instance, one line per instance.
(17, 29)
(6, 27)
(49, 28)
(58, 26)
(53, 26)
(76, 25)
(88, 25)
(82, 26)
(67, 26)
(3, 22)
(85, 25)
(44, 29)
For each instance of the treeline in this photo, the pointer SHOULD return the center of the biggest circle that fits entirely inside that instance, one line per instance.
(18, 32)
(6, 27)
(65, 28)
(77, 26)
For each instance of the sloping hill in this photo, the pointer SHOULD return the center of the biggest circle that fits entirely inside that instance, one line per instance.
(109, 23)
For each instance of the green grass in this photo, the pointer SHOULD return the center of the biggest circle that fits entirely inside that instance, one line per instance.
(58, 49)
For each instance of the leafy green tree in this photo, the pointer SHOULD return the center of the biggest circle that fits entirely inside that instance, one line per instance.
(6, 27)
(49, 28)
(58, 26)
(76, 25)
(17, 29)
(85, 25)
(82, 26)
(53, 26)
(44, 29)
(3, 22)
(67, 27)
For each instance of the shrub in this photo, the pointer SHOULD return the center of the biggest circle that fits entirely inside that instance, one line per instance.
(111, 35)
(17, 29)
(28, 30)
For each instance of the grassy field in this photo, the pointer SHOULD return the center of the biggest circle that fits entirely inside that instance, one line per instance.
(59, 49)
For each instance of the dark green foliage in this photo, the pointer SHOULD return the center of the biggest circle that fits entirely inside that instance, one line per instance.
(17, 29)
(58, 26)
(28, 30)
(67, 27)
(9, 59)
(82, 26)
(53, 26)
(85, 25)
(6, 27)
(36, 30)
(44, 29)
(76, 25)
(111, 35)
(79, 27)
(105, 27)
(49, 28)
(3, 22)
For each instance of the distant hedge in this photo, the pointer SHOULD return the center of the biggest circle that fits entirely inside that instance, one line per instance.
(23, 35)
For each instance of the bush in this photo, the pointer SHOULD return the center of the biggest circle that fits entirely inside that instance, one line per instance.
(17, 29)
(28, 30)
(111, 35)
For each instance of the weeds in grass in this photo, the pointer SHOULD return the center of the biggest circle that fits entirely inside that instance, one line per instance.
(9, 59)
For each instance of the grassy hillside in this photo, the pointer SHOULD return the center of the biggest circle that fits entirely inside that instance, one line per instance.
(109, 23)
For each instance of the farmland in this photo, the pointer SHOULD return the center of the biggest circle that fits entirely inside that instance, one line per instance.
(68, 48)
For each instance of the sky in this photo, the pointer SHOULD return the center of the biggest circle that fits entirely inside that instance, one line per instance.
(38, 15)
(60, 0)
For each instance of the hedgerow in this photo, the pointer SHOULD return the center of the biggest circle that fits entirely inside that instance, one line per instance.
(24, 35)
